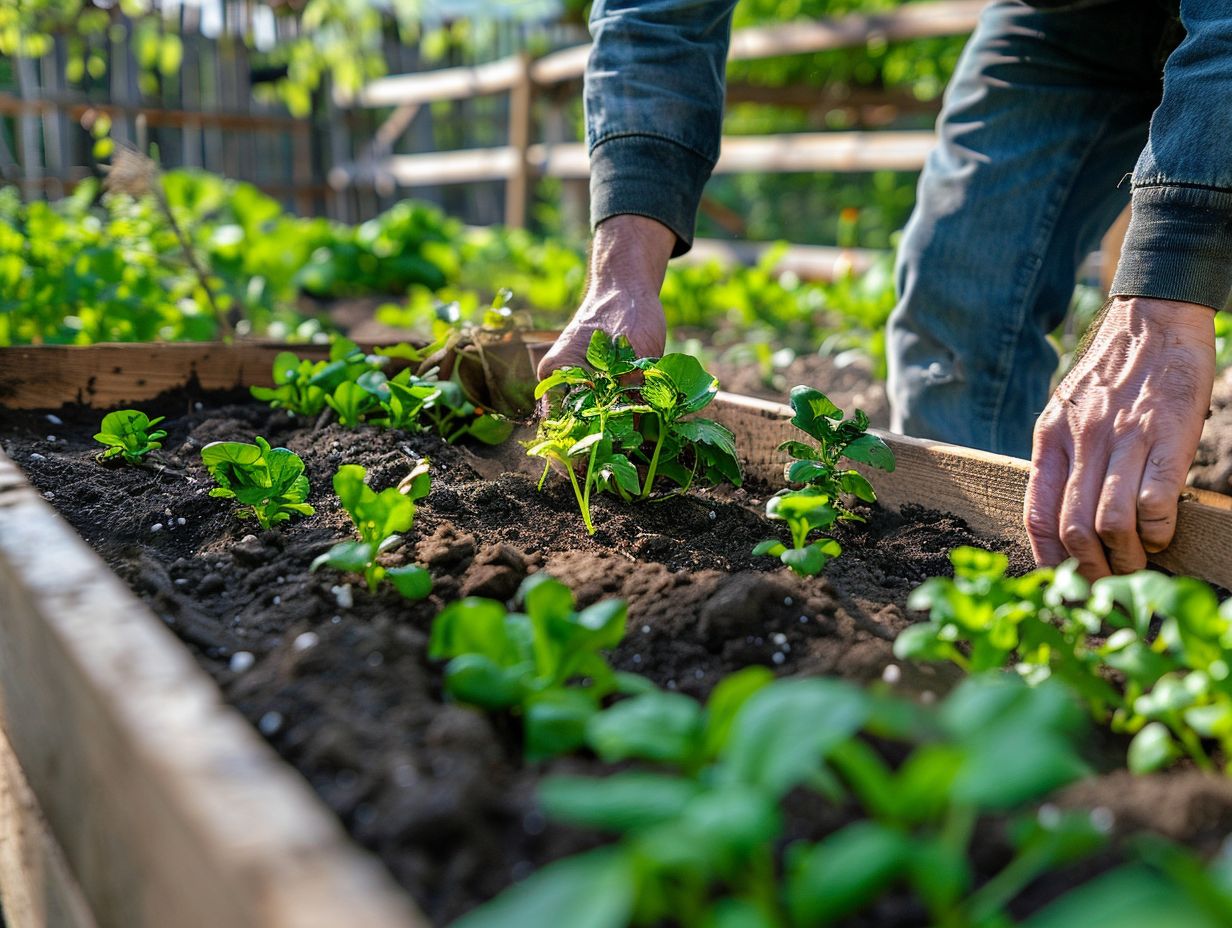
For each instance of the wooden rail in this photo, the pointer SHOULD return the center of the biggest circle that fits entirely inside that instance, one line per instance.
(521, 161)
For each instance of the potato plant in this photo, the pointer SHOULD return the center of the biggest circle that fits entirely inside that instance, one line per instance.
(608, 434)
(827, 483)
(269, 483)
(380, 519)
(1168, 640)
(129, 434)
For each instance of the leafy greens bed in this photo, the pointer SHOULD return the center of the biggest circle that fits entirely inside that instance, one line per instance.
(480, 683)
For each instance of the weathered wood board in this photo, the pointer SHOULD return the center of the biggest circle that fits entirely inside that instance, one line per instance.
(986, 490)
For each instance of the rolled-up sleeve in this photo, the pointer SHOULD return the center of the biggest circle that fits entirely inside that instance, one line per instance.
(654, 107)
(1179, 243)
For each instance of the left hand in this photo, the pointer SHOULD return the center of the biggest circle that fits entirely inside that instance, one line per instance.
(1113, 446)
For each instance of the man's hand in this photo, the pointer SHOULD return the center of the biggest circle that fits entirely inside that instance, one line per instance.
(627, 263)
(1112, 448)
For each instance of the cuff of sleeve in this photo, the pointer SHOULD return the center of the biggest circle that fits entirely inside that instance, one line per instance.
(1178, 247)
(645, 175)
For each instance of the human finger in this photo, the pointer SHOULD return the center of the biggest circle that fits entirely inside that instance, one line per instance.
(1116, 518)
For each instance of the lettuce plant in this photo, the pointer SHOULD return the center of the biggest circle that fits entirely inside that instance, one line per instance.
(545, 662)
(129, 433)
(269, 483)
(1168, 640)
(608, 435)
(303, 387)
(379, 519)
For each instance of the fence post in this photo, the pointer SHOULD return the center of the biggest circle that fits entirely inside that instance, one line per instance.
(518, 187)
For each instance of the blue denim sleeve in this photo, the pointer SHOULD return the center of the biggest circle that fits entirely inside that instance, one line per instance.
(1179, 243)
(654, 107)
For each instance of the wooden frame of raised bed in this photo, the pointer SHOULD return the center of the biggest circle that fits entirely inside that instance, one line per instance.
(131, 795)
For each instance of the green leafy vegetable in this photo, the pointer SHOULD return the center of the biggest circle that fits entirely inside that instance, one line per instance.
(268, 482)
(127, 434)
(379, 519)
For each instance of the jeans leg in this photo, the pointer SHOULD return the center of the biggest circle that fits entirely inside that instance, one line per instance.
(1047, 112)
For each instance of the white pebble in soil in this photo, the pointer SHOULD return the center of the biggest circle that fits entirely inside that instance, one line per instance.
(892, 674)
(305, 641)
(698, 673)
(645, 629)
(335, 620)
(712, 515)
(1102, 819)
(270, 723)
(35, 456)
(787, 600)
(51, 439)
(375, 659)
(779, 638)
(277, 600)
(181, 581)
(181, 521)
(804, 620)
(778, 657)
(671, 684)
(248, 539)
(54, 419)
(156, 527)
(241, 661)
(343, 596)
(637, 658)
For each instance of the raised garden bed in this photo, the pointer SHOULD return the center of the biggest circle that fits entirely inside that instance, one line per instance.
(203, 825)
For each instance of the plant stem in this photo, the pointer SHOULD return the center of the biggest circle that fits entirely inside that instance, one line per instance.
(654, 459)
(583, 501)
(1002, 888)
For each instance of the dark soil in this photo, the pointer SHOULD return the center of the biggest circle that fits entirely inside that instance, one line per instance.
(338, 680)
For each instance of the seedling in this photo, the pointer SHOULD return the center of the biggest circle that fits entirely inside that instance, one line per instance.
(805, 511)
(127, 434)
(1174, 690)
(609, 429)
(544, 662)
(379, 519)
(303, 387)
(268, 482)
(819, 465)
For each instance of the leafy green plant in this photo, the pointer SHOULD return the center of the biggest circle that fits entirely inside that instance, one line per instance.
(128, 433)
(820, 503)
(269, 483)
(820, 465)
(805, 511)
(379, 519)
(303, 387)
(697, 847)
(544, 662)
(610, 427)
(1167, 638)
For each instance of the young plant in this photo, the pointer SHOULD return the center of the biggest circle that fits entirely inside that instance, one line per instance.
(697, 847)
(268, 482)
(303, 387)
(805, 511)
(127, 434)
(379, 518)
(819, 465)
(544, 662)
(604, 430)
(1167, 638)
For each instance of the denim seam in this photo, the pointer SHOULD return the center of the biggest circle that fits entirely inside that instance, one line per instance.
(1165, 184)
(658, 136)
(1039, 253)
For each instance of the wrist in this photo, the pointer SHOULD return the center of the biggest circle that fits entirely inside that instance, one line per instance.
(630, 254)
(1194, 320)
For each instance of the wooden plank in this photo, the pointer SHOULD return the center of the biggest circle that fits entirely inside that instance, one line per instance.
(911, 21)
(808, 262)
(36, 886)
(440, 84)
(169, 808)
(986, 490)
(805, 151)
(518, 186)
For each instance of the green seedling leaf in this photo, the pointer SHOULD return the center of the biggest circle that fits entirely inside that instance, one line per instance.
(129, 433)
(844, 872)
(555, 721)
(269, 483)
(1152, 749)
(619, 803)
(661, 727)
(411, 581)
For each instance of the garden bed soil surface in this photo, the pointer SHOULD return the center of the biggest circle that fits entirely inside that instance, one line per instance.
(338, 680)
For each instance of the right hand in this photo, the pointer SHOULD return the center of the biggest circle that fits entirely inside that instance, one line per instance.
(627, 265)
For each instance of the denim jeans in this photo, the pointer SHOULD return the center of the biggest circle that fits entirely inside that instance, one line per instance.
(1048, 111)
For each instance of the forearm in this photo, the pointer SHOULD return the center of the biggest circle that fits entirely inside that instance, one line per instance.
(654, 108)
(1179, 243)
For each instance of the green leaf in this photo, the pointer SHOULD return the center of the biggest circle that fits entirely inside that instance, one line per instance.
(661, 727)
(601, 352)
(1132, 896)
(468, 625)
(477, 680)
(592, 890)
(771, 546)
(695, 386)
(1152, 749)
(809, 560)
(784, 731)
(621, 802)
(411, 581)
(812, 409)
(871, 450)
(725, 702)
(708, 432)
(348, 556)
(844, 872)
(555, 721)
(619, 468)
